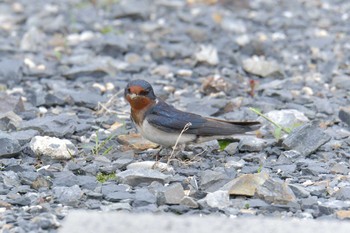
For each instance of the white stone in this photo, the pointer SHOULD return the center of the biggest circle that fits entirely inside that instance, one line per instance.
(208, 54)
(163, 167)
(219, 199)
(53, 147)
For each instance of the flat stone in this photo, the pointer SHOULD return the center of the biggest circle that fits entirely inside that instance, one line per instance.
(339, 168)
(252, 144)
(10, 103)
(56, 126)
(343, 214)
(10, 71)
(245, 185)
(24, 136)
(65, 178)
(211, 181)
(154, 165)
(46, 221)
(145, 196)
(68, 195)
(9, 147)
(87, 182)
(261, 67)
(132, 9)
(118, 196)
(219, 199)
(33, 40)
(9, 121)
(344, 115)
(85, 98)
(136, 142)
(306, 139)
(287, 118)
(52, 147)
(299, 191)
(142, 176)
(276, 192)
(189, 201)
(343, 193)
(171, 194)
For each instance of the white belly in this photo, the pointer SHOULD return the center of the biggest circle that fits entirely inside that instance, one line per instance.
(162, 138)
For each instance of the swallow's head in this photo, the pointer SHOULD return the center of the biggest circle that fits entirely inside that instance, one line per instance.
(139, 94)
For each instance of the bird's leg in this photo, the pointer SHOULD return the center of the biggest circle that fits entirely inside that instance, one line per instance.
(175, 151)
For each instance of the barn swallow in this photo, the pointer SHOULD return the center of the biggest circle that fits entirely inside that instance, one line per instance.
(162, 123)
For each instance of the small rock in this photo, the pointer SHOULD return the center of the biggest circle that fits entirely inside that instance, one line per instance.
(171, 194)
(219, 199)
(145, 196)
(142, 176)
(215, 84)
(10, 71)
(56, 126)
(9, 121)
(131, 9)
(344, 115)
(341, 82)
(343, 214)
(113, 45)
(299, 191)
(85, 98)
(87, 182)
(343, 193)
(33, 40)
(306, 139)
(65, 178)
(287, 118)
(116, 207)
(53, 147)
(207, 54)
(136, 142)
(246, 185)
(259, 66)
(9, 146)
(211, 181)
(45, 221)
(324, 106)
(340, 168)
(68, 195)
(159, 166)
(10, 103)
(232, 148)
(24, 136)
(276, 192)
(118, 196)
(189, 201)
(41, 182)
(252, 144)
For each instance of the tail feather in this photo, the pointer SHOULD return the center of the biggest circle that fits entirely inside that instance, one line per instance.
(214, 127)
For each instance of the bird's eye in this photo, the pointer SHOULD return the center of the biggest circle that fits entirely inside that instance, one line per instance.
(144, 92)
(128, 90)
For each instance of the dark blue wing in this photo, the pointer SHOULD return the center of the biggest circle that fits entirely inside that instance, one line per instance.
(169, 119)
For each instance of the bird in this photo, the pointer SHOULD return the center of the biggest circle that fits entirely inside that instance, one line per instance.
(162, 123)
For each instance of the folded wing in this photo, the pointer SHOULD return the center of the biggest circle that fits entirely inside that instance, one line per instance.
(167, 118)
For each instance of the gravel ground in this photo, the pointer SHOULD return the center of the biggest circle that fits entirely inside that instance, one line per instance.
(66, 141)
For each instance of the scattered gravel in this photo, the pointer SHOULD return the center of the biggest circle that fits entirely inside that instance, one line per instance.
(65, 143)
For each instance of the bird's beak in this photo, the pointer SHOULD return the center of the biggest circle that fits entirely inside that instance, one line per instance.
(133, 96)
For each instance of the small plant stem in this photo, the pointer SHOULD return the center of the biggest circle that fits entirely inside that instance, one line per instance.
(271, 121)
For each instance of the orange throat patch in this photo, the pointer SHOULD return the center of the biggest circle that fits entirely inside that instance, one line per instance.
(139, 106)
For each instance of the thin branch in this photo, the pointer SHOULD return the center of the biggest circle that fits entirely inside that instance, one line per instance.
(186, 127)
